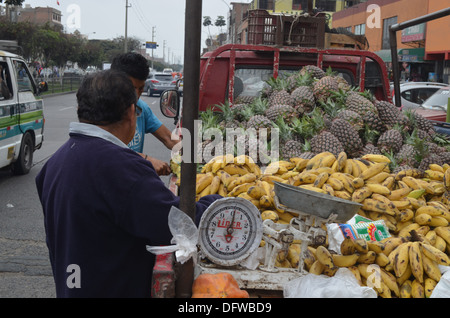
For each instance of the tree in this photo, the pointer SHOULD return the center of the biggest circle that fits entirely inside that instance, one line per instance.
(207, 23)
(220, 22)
(13, 2)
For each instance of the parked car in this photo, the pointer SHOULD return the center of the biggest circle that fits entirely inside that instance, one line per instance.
(157, 83)
(413, 94)
(439, 100)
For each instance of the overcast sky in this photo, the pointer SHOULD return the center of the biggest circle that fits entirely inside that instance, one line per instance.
(107, 19)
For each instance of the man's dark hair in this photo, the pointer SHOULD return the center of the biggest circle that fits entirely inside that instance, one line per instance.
(104, 97)
(134, 64)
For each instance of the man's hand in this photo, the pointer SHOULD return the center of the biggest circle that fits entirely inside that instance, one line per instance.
(162, 168)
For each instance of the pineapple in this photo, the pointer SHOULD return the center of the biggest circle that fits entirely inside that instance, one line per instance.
(324, 88)
(391, 115)
(347, 135)
(259, 121)
(352, 117)
(285, 111)
(313, 70)
(373, 121)
(326, 141)
(303, 98)
(227, 119)
(289, 146)
(358, 103)
(280, 94)
(370, 137)
(390, 141)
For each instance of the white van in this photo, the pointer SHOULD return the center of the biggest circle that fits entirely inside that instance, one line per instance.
(21, 114)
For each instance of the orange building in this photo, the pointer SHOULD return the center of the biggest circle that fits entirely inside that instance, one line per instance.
(424, 50)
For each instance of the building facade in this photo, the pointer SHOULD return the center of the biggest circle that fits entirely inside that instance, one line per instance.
(423, 49)
(40, 16)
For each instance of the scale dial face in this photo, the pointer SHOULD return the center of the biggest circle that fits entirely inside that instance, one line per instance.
(230, 230)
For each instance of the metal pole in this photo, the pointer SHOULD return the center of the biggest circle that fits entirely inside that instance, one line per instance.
(192, 47)
(126, 27)
(393, 42)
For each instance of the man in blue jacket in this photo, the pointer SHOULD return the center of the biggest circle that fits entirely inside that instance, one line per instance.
(102, 202)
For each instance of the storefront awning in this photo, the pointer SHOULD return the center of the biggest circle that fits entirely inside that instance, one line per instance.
(385, 55)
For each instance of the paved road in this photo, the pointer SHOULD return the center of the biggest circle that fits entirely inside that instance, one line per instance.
(25, 270)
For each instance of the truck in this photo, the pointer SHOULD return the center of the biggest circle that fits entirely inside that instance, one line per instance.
(21, 114)
(234, 72)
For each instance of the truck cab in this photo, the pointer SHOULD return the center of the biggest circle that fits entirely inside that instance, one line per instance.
(21, 114)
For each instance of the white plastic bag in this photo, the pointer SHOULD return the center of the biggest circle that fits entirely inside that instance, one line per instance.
(185, 237)
(442, 289)
(342, 285)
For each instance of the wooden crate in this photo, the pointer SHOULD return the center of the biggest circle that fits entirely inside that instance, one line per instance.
(334, 40)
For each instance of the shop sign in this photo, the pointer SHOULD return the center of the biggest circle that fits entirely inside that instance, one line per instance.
(414, 33)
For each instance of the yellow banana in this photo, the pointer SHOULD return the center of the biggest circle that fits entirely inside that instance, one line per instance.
(269, 215)
(341, 161)
(293, 255)
(345, 179)
(348, 168)
(406, 289)
(204, 182)
(270, 179)
(361, 164)
(232, 169)
(361, 245)
(431, 268)
(390, 281)
(358, 182)
(310, 187)
(429, 286)
(215, 184)
(265, 202)
(443, 232)
(316, 268)
(382, 260)
(436, 167)
(321, 179)
(437, 221)
(336, 184)
(400, 259)
(405, 232)
(326, 161)
(343, 195)
(373, 170)
(402, 204)
(344, 260)
(389, 182)
(417, 290)
(375, 206)
(446, 179)
(242, 188)
(356, 273)
(367, 258)
(431, 237)
(359, 195)
(405, 215)
(347, 247)
(391, 243)
(378, 188)
(222, 190)
(306, 177)
(399, 194)
(328, 189)
(433, 253)
(314, 161)
(412, 182)
(406, 276)
(376, 246)
(376, 158)
(415, 259)
(300, 163)
(434, 175)
(430, 210)
(324, 257)
(256, 192)
(378, 178)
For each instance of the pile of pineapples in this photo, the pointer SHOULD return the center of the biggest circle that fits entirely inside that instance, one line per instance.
(317, 111)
